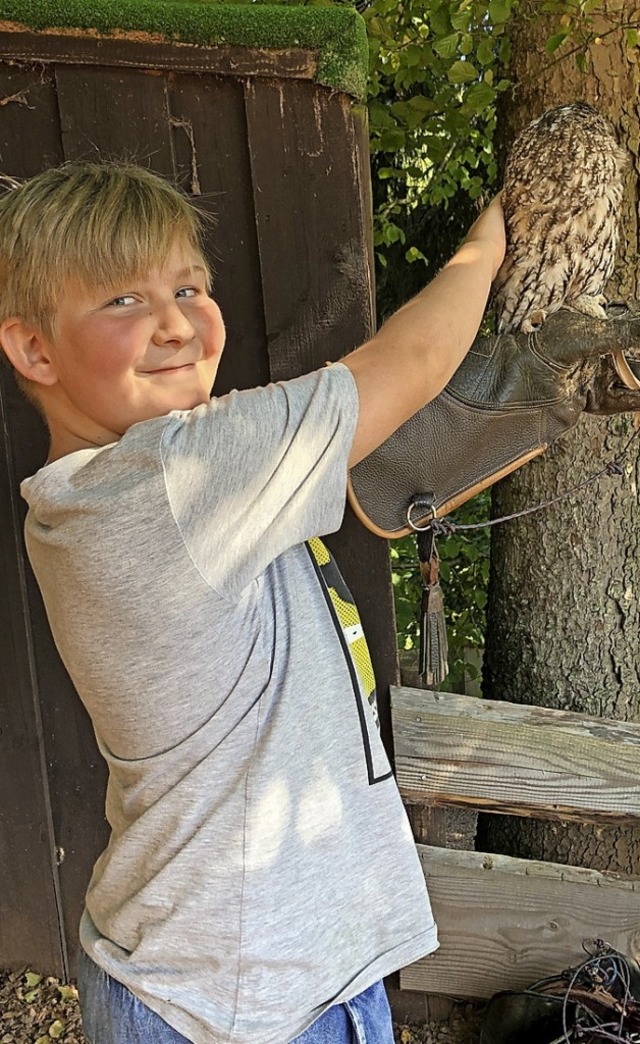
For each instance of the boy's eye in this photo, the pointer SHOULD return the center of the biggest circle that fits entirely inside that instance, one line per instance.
(187, 291)
(124, 299)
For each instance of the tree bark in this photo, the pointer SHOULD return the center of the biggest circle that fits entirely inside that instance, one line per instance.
(564, 611)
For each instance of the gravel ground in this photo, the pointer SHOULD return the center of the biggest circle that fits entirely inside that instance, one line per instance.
(38, 1010)
(462, 1028)
(35, 1009)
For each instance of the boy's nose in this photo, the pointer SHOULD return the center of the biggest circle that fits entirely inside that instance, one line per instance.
(172, 325)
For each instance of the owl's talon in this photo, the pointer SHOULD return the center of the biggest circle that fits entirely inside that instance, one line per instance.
(588, 305)
(622, 310)
(533, 321)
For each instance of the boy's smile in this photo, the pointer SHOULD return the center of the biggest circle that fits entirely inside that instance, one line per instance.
(120, 358)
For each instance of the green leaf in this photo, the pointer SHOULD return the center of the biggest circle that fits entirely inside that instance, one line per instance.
(440, 20)
(499, 10)
(451, 547)
(582, 61)
(392, 140)
(556, 41)
(447, 46)
(461, 20)
(484, 51)
(32, 979)
(504, 50)
(414, 55)
(422, 104)
(67, 993)
(393, 234)
(375, 25)
(56, 1029)
(479, 96)
(462, 72)
(632, 37)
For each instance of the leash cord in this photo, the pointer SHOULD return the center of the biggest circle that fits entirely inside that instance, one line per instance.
(446, 526)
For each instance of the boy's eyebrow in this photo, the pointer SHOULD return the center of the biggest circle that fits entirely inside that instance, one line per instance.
(189, 270)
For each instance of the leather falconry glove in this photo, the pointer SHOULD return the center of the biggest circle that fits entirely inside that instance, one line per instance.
(510, 398)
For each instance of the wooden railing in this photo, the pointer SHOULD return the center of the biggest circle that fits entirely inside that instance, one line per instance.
(504, 922)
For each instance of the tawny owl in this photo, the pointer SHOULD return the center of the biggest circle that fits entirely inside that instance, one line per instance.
(561, 198)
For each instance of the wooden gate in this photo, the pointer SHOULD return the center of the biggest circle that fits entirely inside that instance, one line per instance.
(255, 111)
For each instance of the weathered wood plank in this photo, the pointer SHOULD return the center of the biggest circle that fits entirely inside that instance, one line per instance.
(312, 228)
(137, 52)
(460, 750)
(75, 773)
(417, 1007)
(503, 923)
(92, 104)
(311, 190)
(29, 885)
(28, 114)
(212, 160)
(30, 930)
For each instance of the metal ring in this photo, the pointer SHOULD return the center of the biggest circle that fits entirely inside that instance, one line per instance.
(420, 529)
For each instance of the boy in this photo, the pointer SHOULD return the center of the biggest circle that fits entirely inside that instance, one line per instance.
(260, 878)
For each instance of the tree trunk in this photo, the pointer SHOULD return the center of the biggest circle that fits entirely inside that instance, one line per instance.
(563, 613)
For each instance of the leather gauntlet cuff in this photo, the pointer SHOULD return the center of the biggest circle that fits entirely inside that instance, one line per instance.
(511, 397)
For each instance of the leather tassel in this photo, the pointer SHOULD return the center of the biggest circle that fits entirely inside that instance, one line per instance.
(433, 665)
(434, 648)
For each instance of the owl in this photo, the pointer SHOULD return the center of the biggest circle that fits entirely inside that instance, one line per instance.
(561, 198)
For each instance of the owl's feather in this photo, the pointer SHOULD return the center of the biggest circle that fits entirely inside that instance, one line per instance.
(561, 198)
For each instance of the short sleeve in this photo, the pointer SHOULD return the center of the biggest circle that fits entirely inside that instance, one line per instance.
(255, 472)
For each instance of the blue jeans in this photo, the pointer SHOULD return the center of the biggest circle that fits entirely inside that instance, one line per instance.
(111, 1014)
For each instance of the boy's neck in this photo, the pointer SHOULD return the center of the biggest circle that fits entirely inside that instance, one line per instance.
(64, 441)
(70, 431)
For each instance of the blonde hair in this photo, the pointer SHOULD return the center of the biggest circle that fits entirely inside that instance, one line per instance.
(92, 224)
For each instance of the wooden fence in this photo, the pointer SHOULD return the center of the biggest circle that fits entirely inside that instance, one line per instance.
(505, 922)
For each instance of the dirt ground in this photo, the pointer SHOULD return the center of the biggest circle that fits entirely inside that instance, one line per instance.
(39, 1010)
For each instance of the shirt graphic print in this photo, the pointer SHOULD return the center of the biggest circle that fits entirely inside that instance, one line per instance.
(346, 619)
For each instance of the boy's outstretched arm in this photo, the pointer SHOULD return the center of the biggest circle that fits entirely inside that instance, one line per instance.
(411, 358)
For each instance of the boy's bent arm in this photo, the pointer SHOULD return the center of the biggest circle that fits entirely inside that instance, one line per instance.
(409, 361)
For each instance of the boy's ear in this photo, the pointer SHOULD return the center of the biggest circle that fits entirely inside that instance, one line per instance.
(28, 350)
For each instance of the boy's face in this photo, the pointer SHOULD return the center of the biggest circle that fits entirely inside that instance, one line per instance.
(138, 351)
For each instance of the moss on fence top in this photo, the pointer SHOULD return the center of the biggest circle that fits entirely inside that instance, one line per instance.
(336, 34)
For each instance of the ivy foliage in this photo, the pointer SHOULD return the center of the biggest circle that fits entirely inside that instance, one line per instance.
(437, 71)
(434, 83)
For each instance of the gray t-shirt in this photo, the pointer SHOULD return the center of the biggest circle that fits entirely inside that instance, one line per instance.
(260, 866)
